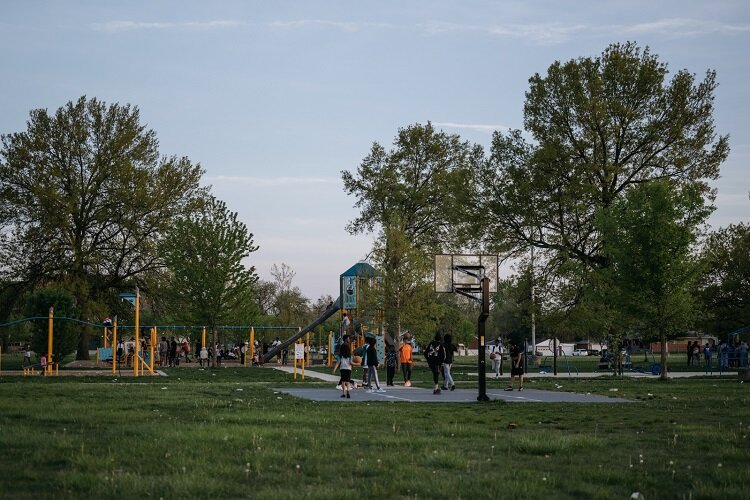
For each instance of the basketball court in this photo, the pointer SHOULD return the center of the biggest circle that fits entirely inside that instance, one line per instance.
(420, 395)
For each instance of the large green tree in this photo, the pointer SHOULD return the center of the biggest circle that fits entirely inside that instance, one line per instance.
(601, 126)
(86, 199)
(650, 235)
(407, 298)
(204, 252)
(403, 195)
(724, 288)
(409, 185)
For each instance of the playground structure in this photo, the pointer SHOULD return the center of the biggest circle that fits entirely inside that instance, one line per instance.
(357, 298)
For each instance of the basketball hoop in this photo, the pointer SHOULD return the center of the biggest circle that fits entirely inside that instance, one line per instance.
(473, 276)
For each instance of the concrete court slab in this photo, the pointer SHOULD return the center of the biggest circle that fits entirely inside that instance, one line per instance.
(421, 395)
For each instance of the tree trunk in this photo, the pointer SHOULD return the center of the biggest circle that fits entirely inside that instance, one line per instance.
(663, 357)
(83, 341)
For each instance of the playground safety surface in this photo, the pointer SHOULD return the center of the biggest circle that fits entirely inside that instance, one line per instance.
(423, 395)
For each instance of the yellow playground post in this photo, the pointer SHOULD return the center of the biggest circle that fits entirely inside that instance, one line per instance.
(114, 346)
(203, 338)
(330, 348)
(252, 345)
(50, 333)
(153, 343)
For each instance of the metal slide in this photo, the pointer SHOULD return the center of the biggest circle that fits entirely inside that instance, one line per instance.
(330, 311)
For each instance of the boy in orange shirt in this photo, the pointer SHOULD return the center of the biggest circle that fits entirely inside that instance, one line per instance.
(405, 351)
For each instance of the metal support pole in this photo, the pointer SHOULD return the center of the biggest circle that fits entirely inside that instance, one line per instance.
(481, 334)
(137, 331)
(533, 307)
(554, 355)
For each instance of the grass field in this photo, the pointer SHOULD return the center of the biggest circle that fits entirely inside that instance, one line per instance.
(226, 433)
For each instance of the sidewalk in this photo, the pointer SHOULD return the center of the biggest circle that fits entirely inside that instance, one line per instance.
(328, 377)
(560, 374)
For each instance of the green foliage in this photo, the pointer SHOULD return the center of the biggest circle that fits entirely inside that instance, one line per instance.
(86, 199)
(723, 289)
(409, 185)
(601, 126)
(407, 297)
(649, 235)
(65, 333)
(204, 252)
(405, 193)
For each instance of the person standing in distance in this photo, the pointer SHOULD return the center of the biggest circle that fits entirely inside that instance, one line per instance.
(345, 363)
(405, 352)
(435, 355)
(450, 348)
(516, 366)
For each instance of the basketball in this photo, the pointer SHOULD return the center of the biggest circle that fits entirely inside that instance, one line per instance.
(492, 355)
(357, 360)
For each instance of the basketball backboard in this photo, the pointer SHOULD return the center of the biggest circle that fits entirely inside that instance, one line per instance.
(463, 271)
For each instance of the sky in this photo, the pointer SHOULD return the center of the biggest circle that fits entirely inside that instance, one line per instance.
(275, 98)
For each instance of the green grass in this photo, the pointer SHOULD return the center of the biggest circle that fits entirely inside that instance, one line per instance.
(225, 433)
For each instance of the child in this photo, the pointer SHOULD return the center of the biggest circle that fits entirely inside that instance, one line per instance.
(345, 363)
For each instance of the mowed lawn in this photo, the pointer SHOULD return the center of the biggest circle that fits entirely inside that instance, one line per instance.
(226, 433)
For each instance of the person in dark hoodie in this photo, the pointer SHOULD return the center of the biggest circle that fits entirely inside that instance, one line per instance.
(372, 366)
(450, 348)
(435, 355)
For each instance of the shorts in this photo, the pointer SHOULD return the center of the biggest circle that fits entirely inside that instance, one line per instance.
(516, 371)
(346, 375)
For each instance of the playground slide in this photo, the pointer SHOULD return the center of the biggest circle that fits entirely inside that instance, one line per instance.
(330, 311)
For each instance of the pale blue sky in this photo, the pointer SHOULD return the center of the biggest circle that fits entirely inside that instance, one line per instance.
(275, 98)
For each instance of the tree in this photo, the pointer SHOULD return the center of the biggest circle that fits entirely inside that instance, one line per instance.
(65, 333)
(86, 200)
(407, 299)
(602, 126)
(724, 288)
(409, 185)
(290, 304)
(403, 194)
(649, 235)
(204, 252)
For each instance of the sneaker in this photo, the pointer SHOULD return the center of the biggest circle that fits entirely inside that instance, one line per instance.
(370, 390)
(436, 391)
(348, 396)
(407, 383)
(380, 390)
(453, 387)
(343, 396)
(509, 388)
(520, 388)
(445, 388)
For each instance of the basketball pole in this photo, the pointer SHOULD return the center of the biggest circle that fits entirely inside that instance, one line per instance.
(481, 324)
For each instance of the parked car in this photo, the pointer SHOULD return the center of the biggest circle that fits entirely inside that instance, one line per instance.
(581, 352)
(593, 352)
